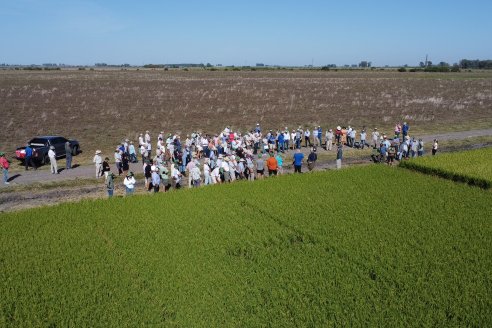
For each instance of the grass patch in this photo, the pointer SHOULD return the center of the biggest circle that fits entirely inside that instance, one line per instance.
(336, 248)
(471, 167)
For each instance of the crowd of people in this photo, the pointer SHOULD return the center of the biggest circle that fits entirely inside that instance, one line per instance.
(203, 159)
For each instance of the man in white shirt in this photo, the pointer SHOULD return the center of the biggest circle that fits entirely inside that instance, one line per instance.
(329, 139)
(52, 156)
(375, 137)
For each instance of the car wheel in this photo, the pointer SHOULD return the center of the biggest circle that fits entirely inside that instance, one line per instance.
(75, 151)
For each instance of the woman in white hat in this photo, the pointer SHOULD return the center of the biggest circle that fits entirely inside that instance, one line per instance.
(98, 162)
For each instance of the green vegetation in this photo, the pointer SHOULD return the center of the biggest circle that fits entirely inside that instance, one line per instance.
(472, 167)
(365, 246)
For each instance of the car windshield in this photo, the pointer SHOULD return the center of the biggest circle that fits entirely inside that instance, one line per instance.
(38, 142)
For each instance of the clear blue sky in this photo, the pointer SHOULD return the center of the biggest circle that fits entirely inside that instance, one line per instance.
(233, 32)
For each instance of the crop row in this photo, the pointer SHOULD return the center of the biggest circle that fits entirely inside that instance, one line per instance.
(365, 246)
(472, 167)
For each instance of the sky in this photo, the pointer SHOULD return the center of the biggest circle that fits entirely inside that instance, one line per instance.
(230, 32)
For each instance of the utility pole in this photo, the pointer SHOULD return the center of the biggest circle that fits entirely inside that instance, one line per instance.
(426, 60)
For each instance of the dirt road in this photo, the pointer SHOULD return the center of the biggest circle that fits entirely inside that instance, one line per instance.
(15, 200)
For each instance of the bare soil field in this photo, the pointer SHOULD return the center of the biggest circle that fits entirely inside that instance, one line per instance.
(101, 107)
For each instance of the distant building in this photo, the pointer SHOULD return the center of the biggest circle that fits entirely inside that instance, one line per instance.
(260, 65)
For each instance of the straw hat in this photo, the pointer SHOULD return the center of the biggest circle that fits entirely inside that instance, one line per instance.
(98, 152)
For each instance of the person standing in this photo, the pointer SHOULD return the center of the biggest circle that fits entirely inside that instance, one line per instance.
(4, 164)
(280, 163)
(272, 165)
(375, 137)
(312, 158)
(165, 180)
(435, 145)
(339, 155)
(129, 183)
(298, 158)
(307, 138)
(52, 156)
(110, 184)
(196, 175)
(363, 138)
(420, 148)
(28, 159)
(260, 167)
(125, 164)
(68, 155)
(329, 139)
(117, 161)
(156, 180)
(97, 160)
(105, 167)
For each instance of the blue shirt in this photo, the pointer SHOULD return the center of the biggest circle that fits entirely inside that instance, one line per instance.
(281, 138)
(298, 157)
(28, 151)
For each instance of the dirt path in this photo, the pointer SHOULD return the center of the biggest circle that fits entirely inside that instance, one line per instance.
(16, 200)
(88, 171)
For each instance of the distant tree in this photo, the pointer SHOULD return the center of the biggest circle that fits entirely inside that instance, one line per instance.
(363, 64)
(402, 69)
(429, 63)
(422, 64)
(209, 65)
(443, 64)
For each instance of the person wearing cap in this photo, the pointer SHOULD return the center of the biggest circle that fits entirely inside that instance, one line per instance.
(363, 136)
(97, 160)
(52, 157)
(338, 135)
(129, 183)
(375, 137)
(4, 164)
(165, 179)
(286, 139)
(226, 170)
(28, 160)
(312, 158)
(176, 176)
(110, 184)
(298, 158)
(196, 175)
(307, 138)
(329, 139)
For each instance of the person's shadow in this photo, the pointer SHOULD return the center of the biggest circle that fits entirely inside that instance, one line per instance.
(13, 177)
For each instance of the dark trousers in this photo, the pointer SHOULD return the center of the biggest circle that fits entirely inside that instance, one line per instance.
(69, 161)
(297, 168)
(29, 161)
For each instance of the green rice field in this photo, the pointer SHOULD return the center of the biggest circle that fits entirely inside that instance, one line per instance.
(473, 167)
(363, 246)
